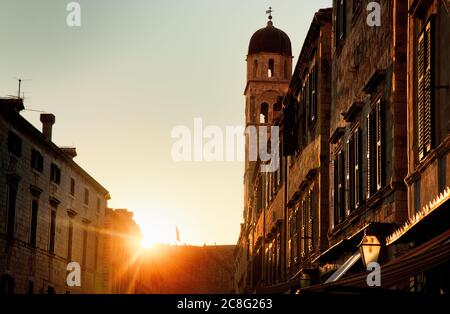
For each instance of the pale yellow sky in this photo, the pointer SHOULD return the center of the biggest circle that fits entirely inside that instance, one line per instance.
(126, 77)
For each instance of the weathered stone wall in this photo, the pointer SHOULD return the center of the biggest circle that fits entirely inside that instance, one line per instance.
(26, 263)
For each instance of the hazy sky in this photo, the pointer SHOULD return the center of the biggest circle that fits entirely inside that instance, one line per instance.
(134, 70)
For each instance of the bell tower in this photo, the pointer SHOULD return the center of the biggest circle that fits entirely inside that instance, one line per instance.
(269, 70)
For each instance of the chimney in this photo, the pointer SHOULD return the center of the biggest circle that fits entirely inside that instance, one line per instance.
(47, 120)
(69, 151)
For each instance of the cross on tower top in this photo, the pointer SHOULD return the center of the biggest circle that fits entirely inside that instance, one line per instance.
(270, 13)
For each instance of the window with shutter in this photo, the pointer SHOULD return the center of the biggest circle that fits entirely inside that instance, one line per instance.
(313, 97)
(304, 222)
(340, 21)
(335, 191)
(351, 173)
(371, 154)
(341, 186)
(424, 90)
(357, 169)
(379, 148)
(310, 221)
(375, 150)
(308, 102)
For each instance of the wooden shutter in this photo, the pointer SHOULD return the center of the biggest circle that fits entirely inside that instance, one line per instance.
(313, 87)
(341, 186)
(379, 142)
(341, 19)
(424, 85)
(308, 101)
(351, 172)
(357, 160)
(347, 178)
(310, 219)
(335, 191)
(302, 212)
(371, 154)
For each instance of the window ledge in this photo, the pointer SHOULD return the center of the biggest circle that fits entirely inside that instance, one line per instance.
(374, 81)
(420, 167)
(337, 135)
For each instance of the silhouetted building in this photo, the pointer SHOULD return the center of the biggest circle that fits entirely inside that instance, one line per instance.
(269, 68)
(188, 269)
(122, 251)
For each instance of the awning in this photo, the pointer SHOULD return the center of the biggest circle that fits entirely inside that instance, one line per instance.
(431, 220)
(280, 288)
(351, 243)
(344, 267)
(427, 256)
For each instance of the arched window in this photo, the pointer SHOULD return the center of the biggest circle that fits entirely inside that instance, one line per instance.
(271, 69)
(264, 113)
(255, 68)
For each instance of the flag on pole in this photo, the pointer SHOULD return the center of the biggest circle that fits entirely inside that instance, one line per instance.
(177, 233)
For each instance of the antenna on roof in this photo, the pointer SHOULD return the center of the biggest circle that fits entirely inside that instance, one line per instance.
(20, 80)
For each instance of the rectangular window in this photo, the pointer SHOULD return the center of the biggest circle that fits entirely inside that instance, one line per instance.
(96, 253)
(338, 192)
(30, 287)
(425, 74)
(55, 174)
(313, 94)
(340, 21)
(294, 237)
(11, 219)
(34, 220)
(375, 150)
(304, 222)
(357, 177)
(341, 186)
(300, 232)
(349, 175)
(52, 231)
(310, 221)
(86, 196)
(380, 164)
(14, 144)
(303, 123)
(334, 189)
(99, 204)
(72, 186)
(37, 160)
(70, 240)
(85, 239)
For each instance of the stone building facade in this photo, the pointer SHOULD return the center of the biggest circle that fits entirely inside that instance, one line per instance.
(51, 211)
(371, 170)
(306, 141)
(368, 129)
